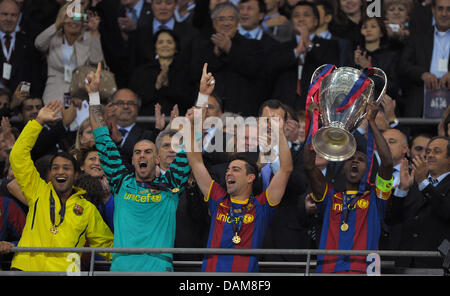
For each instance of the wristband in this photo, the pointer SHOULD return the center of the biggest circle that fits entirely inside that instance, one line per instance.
(94, 98)
(384, 185)
(201, 100)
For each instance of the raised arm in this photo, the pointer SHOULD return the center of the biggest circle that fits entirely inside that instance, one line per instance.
(386, 165)
(110, 156)
(277, 185)
(193, 150)
(22, 164)
(96, 117)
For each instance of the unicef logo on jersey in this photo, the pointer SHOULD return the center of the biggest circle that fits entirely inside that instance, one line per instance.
(143, 198)
(225, 218)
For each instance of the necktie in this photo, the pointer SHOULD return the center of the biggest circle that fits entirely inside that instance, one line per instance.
(123, 132)
(7, 42)
(299, 75)
(248, 35)
(162, 27)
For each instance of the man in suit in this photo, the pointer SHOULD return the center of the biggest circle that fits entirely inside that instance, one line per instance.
(251, 16)
(134, 14)
(121, 115)
(142, 40)
(120, 19)
(425, 60)
(421, 204)
(236, 62)
(19, 59)
(301, 56)
(325, 9)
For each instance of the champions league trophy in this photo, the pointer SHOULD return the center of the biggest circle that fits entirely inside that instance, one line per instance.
(344, 95)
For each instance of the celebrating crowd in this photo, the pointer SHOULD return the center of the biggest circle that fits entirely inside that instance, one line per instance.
(79, 168)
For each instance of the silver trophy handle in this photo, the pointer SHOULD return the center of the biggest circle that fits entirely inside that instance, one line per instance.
(317, 72)
(379, 73)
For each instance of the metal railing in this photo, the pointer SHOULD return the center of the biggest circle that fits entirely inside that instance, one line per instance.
(305, 252)
(402, 120)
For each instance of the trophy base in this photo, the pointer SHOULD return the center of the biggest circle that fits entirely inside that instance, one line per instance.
(334, 144)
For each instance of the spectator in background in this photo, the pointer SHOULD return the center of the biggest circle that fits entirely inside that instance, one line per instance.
(84, 135)
(425, 61)
(275, 24)
(326, 13)
(251, 15)
(418, 145)
(142, 41)
(301, 56)
(12, 222)
(19, 59)
(184, 11)
(163, 80)
(68, 45)
(133, 15)
(236, 62)
(347, 21)
(398, 145)
(374, 51)
(120, 116)
(397, 14)
(422, 204)
(93, 180)
(5, 104)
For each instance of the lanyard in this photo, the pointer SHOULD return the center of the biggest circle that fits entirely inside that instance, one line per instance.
(62, 212)
(8, 51)
(237, 214)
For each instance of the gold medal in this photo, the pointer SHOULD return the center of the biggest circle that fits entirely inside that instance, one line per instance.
(236, 239)
(54, 230)
(344, 226)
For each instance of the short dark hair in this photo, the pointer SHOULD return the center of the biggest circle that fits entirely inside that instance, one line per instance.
(272, 104)
(250, 165)
(261, 5)
(328, 8)
(66, 155)
(313, 7)
(29, 98)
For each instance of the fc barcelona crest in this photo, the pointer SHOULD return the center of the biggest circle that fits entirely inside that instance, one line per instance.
(78, 210)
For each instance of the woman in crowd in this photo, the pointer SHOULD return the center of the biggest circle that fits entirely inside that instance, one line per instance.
(374, 51)
(164, 80)
(72, 41)
(397, 14)
(93, 180)
(347, 22)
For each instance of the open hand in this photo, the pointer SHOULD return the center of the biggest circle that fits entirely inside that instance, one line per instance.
(49, 113)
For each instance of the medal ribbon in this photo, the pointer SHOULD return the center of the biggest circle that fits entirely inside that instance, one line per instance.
(370, 151)
(62, 212)
(154, 185)
(358, 88)
(237, 214)
(314, 95)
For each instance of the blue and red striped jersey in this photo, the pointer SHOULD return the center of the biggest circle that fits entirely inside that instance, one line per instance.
(255, 223)
(12, 219)
(364, 228)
